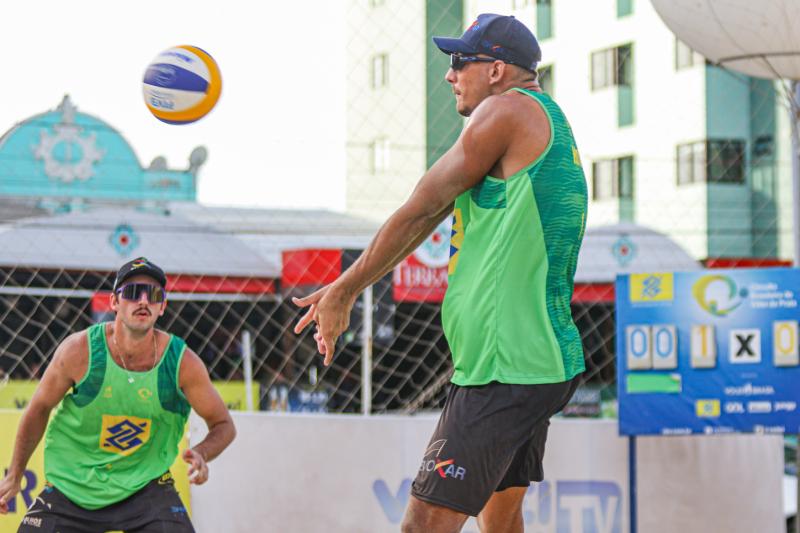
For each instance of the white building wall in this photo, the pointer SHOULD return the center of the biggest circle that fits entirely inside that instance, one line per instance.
(669, 108)
(395, 112)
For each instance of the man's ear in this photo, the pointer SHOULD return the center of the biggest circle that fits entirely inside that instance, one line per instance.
(497, 71)
(112, 300)
(163, 307)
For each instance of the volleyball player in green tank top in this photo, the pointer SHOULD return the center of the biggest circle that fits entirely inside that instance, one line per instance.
(514, 184)
(124, 391)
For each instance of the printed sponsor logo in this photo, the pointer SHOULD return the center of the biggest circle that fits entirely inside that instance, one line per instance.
(657, 287)
(145, 394)
(717, 294)
(585, 506)
(734, 408)
(748, 389)
(456, 239)
(444, 467)
(785, 406)
(32, 521)
(707, 408)
(715, 430)
(759, 407)
(123, 434)
(676, 431)
(769, 429)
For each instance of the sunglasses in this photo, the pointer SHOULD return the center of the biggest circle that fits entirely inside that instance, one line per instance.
(133, 292)
(458, 62)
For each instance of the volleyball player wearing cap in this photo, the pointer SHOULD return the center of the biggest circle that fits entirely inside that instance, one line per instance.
(514, 185)
(124, 391)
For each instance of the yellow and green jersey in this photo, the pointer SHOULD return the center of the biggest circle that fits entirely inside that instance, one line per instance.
(514, 250)
(115, 431)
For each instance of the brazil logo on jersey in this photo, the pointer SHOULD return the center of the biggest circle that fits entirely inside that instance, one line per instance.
(124, 434)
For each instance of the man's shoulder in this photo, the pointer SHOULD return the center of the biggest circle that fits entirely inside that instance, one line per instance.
(72, 354)
(76, 343)
(510, 105)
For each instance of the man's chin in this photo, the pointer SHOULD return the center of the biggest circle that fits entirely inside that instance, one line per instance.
(140, 323)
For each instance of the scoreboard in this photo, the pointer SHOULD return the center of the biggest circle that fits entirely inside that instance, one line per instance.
(706, 352)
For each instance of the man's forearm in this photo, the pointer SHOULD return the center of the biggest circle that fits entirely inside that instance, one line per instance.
(219, 437)
(29, 434)
(395, 240)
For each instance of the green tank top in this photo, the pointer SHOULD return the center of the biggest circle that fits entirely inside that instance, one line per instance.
(513, 254)
(109, 437)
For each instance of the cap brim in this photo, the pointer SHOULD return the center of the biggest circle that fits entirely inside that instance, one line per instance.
(452, 45)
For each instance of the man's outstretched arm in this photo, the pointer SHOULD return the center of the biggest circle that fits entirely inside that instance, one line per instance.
(482, 144)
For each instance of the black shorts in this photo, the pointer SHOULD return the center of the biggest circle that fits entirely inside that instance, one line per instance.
(489, 438)
(155, 508)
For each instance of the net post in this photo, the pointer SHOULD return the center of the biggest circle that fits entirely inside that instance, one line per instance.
(366, 353)
(247, 363)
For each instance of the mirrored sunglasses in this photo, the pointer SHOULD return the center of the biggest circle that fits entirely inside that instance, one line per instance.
(133, 292)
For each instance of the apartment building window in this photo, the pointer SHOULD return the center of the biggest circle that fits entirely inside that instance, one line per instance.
(612, 66)
(685, 57)
(713, 161)
(381, 155)
(612, 178)
(544, 19)
(545, 78)
(624, 8)
(380, 71)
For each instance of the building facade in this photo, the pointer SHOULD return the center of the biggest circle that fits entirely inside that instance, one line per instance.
(667, 141)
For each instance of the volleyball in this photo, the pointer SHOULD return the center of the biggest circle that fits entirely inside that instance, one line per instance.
(181, 85)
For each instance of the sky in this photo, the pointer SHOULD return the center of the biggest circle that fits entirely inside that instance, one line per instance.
(276, 136)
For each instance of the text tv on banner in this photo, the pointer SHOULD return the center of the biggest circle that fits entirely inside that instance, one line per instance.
(708, 352)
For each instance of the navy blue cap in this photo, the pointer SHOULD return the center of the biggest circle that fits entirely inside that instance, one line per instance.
(138, 266)
(499, 36)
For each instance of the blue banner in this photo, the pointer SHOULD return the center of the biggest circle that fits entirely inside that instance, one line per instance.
(713, 351)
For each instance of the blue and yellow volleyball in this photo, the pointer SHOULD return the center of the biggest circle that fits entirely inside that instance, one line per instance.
(182, 85)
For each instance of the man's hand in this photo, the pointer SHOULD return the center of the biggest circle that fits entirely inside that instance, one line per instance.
(198, 469)
(330, 308)
(9, 488)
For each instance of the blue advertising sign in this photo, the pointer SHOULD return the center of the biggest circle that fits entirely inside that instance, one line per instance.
(713, 351)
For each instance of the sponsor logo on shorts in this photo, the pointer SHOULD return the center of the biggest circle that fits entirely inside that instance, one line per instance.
(32, 521)
(444, 467)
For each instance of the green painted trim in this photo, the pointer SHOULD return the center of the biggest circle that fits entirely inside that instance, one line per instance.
(653, 383)
(443, 124)
(544, 19)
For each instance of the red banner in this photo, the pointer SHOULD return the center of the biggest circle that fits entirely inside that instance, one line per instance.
(416, 282)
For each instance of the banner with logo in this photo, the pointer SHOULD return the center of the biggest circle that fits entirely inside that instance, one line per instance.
(16, 393)
(422, 276)
(708, 352)
(353, 474)
(234, 394)
(34, 479)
